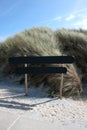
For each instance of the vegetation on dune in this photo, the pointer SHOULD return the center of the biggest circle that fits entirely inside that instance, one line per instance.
(28, 42)
(45, 42)
(73, 42)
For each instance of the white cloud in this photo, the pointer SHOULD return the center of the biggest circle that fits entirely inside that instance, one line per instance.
(80, 10)
(81, 24)
(81, 13)
(70, 17)
(79, 17)
(57, 18)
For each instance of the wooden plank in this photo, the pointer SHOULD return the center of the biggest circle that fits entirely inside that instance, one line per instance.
(41, 60)
(40, 70)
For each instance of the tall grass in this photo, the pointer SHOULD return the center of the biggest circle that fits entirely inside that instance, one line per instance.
(44, 42)
(73, 42)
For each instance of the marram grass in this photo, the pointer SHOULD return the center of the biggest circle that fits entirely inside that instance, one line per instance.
(73, 42)
(42, 42)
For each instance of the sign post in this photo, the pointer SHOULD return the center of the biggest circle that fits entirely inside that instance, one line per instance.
(26, 82)
(39, 70)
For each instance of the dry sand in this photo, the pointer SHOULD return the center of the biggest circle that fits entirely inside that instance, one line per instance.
(66, 112)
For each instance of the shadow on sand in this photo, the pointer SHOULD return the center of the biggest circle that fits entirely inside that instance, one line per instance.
(12, 96)
(22, 106)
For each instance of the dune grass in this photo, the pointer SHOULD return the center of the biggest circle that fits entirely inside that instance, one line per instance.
(73, 42)
(45, 42)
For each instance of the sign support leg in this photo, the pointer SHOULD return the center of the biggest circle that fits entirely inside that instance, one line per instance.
(26, 82)
(26, 85)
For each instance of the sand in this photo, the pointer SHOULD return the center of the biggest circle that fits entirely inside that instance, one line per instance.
(65, 113)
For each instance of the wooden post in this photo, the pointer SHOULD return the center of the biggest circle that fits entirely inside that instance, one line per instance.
(26, 83)
(61, 84)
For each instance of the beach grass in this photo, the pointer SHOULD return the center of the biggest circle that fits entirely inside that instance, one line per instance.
(45, 42)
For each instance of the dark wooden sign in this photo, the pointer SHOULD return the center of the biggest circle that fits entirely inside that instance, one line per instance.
(41, 60)
(38, 70)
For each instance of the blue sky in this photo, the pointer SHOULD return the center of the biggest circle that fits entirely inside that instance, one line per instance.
(18, 15)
